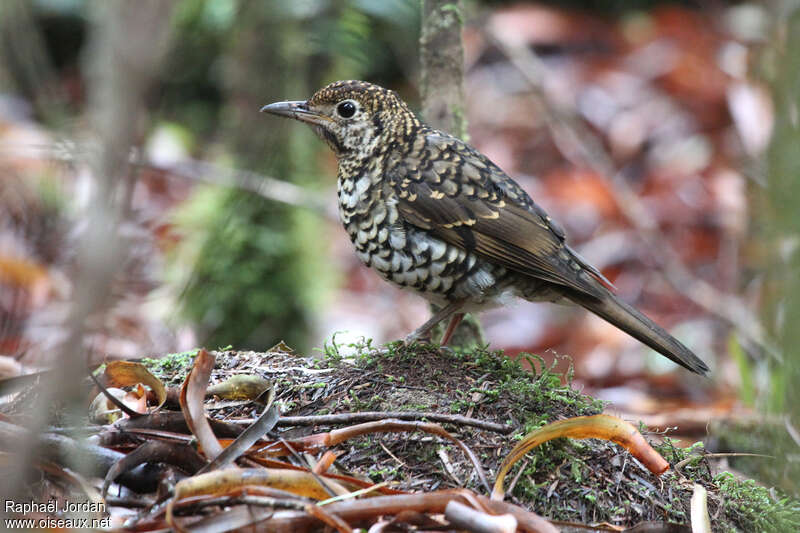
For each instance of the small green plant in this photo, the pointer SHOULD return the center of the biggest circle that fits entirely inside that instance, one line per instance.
(172, 367)
(753, 508)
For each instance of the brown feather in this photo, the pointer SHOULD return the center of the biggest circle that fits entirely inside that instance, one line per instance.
(505, 227)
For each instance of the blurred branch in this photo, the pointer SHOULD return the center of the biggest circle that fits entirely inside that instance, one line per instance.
(265, 186)
(127, 42)
(588, 150)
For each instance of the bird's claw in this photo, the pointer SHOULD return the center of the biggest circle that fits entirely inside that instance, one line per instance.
(413, 338)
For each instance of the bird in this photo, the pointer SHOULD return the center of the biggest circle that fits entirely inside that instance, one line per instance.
(433, 215)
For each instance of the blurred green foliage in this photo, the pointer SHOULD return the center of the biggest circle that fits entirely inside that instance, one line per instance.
(259, 271)
(332, 39)
(781, 219)
(781, 214)
(245, 284)
(769, 382)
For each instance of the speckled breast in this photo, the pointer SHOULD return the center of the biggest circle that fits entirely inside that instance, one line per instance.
(406, 255)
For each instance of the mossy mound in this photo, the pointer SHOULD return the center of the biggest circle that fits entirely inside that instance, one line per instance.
(585, 481)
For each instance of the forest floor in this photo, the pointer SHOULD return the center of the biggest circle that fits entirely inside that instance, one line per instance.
(570, 482)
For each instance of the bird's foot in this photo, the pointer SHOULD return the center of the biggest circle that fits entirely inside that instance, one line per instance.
(417, 338)
(425, 343)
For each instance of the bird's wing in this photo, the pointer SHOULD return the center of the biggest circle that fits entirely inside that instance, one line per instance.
(462, 197)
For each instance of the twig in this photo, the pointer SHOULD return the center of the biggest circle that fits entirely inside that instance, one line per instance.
(448, 466)
(393, 456)
(329, 519)
(268, 187)
(521, 470)
(265, 186)
(681, 464)
(354, 494)
(464, 517)
(369, 416)
(593, 528)
(564, 124)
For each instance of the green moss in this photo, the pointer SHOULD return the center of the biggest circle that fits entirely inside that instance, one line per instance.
(362, 350)
(536, 394)
(456, 10)
(746, 505)
(750, 507)
(173, 367)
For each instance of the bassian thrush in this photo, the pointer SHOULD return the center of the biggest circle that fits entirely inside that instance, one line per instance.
(433, 215)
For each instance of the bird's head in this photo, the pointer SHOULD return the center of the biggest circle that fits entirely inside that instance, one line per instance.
(354, 118)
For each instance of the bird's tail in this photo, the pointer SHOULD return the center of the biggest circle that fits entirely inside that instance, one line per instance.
(637, 325)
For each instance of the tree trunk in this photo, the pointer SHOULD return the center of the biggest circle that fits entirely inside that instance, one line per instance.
(442, 89)
(442, 66)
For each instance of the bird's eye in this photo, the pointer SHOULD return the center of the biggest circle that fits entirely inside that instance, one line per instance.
(346, 109)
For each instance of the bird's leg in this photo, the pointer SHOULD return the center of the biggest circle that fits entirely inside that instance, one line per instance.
(451, 328)
(445, 312)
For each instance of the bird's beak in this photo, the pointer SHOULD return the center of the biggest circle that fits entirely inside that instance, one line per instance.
(297, 110)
